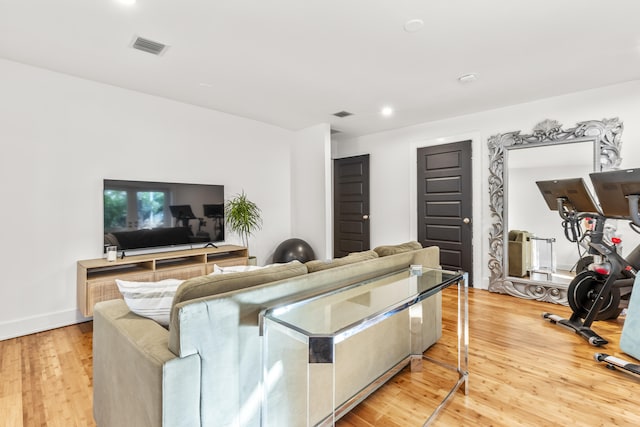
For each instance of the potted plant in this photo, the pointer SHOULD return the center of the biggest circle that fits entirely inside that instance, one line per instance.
(243, 217)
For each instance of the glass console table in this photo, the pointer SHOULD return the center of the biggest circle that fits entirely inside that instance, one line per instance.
(324, 354)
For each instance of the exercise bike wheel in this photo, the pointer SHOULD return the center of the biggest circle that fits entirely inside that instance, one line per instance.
(584, 289)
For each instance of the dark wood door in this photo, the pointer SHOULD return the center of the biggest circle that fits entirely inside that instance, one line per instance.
(350, 205)
(444, 203)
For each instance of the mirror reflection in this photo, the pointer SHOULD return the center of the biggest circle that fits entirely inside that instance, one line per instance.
(537, 248)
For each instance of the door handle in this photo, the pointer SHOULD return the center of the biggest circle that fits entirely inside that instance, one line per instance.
(365, 217)
(466, 220)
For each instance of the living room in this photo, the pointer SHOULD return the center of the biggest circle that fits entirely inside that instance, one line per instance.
(64, 134)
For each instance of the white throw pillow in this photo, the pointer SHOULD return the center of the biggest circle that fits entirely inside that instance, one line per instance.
(150, 299)
(234, 269)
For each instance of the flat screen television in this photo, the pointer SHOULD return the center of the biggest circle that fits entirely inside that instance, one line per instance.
(146, 216)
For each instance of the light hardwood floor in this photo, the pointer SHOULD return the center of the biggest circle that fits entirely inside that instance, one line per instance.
(523, 371)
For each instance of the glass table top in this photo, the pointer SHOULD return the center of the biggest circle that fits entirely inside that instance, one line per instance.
(331, 313)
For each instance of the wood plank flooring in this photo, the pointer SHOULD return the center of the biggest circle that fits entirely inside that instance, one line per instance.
(523, 372)
(46, 379)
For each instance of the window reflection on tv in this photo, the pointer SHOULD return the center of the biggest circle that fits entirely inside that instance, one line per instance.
(145, 215)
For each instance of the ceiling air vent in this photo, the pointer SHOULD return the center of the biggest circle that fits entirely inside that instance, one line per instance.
(149, 46)
(342, 114)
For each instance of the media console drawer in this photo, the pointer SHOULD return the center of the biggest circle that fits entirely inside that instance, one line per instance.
(97, 277)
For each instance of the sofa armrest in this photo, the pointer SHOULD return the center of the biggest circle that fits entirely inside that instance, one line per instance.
(136, 379)
(427, 257)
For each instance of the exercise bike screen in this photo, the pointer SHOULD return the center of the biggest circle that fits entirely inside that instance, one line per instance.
(573, 190)
(612, 187)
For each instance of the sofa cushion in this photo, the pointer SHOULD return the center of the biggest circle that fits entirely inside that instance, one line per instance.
(235, 269)
(397, 249)
(204, 286)
(318, 265)
(150, 299)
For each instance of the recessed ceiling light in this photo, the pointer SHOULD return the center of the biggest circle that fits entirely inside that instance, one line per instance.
(468, 78)
(127, 2)
(386, 111)
(413, 25)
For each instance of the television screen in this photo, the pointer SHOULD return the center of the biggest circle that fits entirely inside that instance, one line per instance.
(142, 215)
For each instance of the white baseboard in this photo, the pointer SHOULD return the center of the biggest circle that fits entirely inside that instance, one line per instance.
(45, 322)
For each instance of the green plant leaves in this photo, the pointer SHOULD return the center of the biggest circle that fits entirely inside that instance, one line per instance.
(242, 216)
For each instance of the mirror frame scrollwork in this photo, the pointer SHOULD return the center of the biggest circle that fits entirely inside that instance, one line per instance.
(607, 133)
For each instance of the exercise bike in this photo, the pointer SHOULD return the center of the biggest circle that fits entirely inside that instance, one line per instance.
(602, 290)
(621, 198)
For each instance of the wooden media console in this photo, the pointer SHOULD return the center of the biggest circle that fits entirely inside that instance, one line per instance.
(97, 277)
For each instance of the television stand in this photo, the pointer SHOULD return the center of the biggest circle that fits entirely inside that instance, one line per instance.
(97, 277)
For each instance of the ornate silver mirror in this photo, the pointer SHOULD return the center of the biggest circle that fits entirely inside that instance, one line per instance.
(516, 162)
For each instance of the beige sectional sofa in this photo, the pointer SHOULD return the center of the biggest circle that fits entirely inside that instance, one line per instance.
(205, 369)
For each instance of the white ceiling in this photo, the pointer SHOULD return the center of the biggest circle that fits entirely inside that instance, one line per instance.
(294, 63)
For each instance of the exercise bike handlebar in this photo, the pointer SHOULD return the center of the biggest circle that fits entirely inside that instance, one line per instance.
(564, 212)
(561, 211)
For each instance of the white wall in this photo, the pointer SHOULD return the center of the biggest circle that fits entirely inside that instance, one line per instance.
(393, 157)
(61, 136)
(311, 188)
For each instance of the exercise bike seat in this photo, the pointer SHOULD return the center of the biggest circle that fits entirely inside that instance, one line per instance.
(630, 338)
